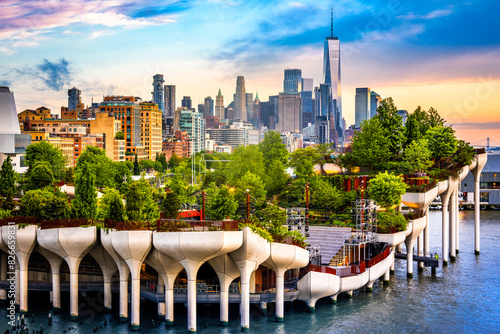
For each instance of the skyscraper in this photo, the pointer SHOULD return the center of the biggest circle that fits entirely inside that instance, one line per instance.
(74, 98)
(362, 106)
(219, 105)
(158, 91)
(169, 100)
(208, 107)
(289, 113)
(255, 119)
(240, 110)
(186, 102)
(374, 103)
(332, 78)
(293, 79)
(307, 85)
(249, 106)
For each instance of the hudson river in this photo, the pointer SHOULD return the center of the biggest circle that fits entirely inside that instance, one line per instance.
(462, 298)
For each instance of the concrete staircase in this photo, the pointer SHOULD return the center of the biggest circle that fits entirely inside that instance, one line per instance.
(330, 240)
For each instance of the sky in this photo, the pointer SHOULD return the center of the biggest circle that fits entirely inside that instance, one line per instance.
(429, 52)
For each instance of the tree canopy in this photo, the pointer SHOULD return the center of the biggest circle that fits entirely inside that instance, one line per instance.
(386, 189)
(273, 149)
(46, 152)
(85, 203)
(7, 177)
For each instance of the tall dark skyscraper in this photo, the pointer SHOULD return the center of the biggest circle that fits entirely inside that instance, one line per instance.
(332, 78)
(169, 100)
(158, 92)
(74, 98)
(240, 106)
(208, 106)
(186, 102)
(293, 80)
(374, 103)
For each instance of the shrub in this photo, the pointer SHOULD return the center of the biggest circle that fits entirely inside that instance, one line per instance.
(391, 221)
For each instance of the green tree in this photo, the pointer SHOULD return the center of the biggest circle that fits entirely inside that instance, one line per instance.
(370, 147)
(391, 221)
(85, 203)
(174, 161)
(324, 152)
(140, 205)
(161, 162)
(464, 154)
(277, 178)
(179, 186)
(386, 189)
(137, 170)
(244, 159)
(45, 204)
(418, 156)
(412, 130)
(99, 164)
(323, 194)
(253, 184)
(442, 142)
(147, 164)
(44, 151)
(40, 176)
(111, 206)
(273, 218)
(121, 172)
(302, 161)
(391, 122)
(7, 177)
(223, 204)
(170, 205)
(273, 149)
(119, 135)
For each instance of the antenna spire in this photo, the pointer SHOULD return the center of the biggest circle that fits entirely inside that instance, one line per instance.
(332, 24)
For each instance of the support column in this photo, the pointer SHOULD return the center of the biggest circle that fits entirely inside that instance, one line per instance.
(135, 309)
(426, 234)
(245, 306)
(334, 299)
(420, 247)
(280, 298)
(369, 286)
(56, 289)
(224, 308)
(123, 296)
(161, 306)
(453, 232)
(191, 303)
(392, 270)
(387, 277)
(23, 287)
(445, 232)
(3, 274)
(477, 208)
(169, 306)
(409, 260)
(107, 293)
(73, 292)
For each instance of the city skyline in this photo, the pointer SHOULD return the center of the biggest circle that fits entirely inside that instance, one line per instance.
(419, 54)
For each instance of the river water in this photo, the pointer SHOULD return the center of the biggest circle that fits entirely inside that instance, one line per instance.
(461, 298)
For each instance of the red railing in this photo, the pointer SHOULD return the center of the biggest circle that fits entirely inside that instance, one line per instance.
(70, 222)
(20, 220)
(376, 259)
(320, 269)
(357, 269)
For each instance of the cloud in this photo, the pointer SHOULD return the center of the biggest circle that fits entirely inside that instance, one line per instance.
(47, 74)
(429, 16)
(19, 18)
(477, 125)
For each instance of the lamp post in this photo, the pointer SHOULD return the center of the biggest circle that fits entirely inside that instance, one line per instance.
(248, 203)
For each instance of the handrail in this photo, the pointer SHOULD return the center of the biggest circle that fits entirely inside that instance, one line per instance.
(380, 257)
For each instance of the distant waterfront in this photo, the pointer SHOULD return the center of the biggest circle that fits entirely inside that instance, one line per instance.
(462, 298)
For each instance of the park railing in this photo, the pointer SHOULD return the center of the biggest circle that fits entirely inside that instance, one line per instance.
(378, 258)
(70, 222)
(20, 220)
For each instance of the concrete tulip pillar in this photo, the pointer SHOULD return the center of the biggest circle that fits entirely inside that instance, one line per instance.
(192, 249)
(417, 228)
(315, 285)
(476, 172)
(226, 270)
(463, 173)
(72, 244)
(445, 199)
(247, 258)
(55, 268)
(123, 270)
(108, 268)
(25, 242)
(168, 269)
(133, 247)
(282, 258)
(161, 289)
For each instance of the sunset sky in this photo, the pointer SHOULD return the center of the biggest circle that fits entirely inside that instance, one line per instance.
(428, 53)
